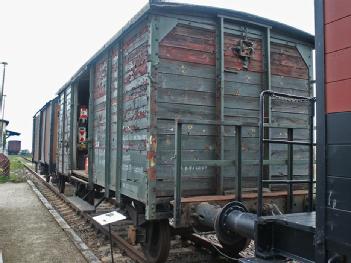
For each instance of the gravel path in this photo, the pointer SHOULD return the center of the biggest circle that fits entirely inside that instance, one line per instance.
(28, 233)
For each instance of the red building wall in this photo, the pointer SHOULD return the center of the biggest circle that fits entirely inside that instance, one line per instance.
(338, 55)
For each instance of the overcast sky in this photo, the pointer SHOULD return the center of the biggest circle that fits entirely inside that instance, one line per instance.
(45, 42)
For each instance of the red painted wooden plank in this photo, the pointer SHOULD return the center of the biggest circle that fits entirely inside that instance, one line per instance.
(287, 61)
(144, 29)
(287, 65)
(336, 9)
(174, 40)
(338, 65)
(338, 97)
(337, 35)
(198, 46)
(187, 55)
(194, 32)
(287, 71)
(283, 49)
(136, 55)
(135, 73)
(100, 78)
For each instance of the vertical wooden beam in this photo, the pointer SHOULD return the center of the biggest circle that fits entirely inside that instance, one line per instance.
(290, 199)
(153, 52)
(91, 128)
(40, 135)
(220, 101)
(238, 165)
(267, 86)
(120, 84)
(73, 127)
(108, 125)
(63, 131)
(267, 58)
(33, 138)
(178, 175)
(52, 127)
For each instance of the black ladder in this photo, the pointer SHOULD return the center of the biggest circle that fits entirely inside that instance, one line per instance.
(290, 142)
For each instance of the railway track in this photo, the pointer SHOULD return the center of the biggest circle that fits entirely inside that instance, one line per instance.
(96, 236)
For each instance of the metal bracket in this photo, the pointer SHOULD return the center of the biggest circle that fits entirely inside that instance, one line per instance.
(306, 54)
(166, 24)
(160, 27)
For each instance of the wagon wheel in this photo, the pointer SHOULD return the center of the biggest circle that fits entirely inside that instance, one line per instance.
(158, 240)
(80, 190)
(61, 184)
(47, 178)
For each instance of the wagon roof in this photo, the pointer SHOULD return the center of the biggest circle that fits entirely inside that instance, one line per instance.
(195, 10)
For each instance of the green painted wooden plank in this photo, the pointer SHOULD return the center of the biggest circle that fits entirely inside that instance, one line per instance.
(289, 82)
(167, 127)
(168, 66)
(166, 142)
(217, 163)
(284, 126)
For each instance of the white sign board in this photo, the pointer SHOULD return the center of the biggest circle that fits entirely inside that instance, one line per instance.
(109, 218)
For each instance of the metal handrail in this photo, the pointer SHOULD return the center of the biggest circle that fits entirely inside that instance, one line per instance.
(290, 142)
(236, 163)
(179, 162)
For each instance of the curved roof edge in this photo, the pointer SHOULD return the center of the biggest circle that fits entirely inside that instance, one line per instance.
(189, 9)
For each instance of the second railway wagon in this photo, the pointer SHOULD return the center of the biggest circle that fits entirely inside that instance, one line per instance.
(13, 147)
(166, 114)
(45, 137)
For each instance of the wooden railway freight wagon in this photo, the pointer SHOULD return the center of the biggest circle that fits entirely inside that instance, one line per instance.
(45, 137)
(166, 114)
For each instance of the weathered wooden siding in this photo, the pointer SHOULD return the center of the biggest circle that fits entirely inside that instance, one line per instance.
(187, 89)
(59, 157)
(113, 124)
(36, 138)
(186, 79)
(42, 137)
(67, 131)
(290, 74)
(99, 120)
(55, 136)
(47, 133)
(135, 111)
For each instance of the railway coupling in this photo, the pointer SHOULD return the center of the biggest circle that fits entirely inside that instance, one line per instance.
(277, 238)
(233, 224)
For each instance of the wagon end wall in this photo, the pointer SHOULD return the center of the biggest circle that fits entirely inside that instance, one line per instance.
(187, 88)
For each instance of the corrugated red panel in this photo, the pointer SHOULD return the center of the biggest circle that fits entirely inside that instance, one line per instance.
(337, 35)
(338, 97)
(338, 65)
(336, 9)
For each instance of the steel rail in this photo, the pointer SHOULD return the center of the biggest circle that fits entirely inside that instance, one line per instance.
(121, 243)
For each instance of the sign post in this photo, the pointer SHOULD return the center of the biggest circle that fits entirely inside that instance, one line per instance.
(108, 219)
